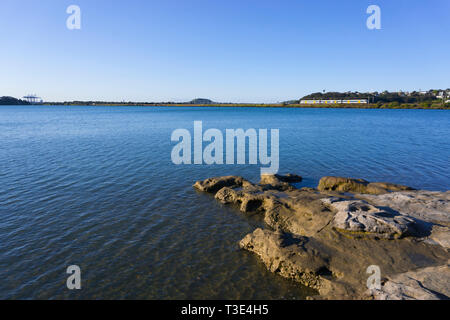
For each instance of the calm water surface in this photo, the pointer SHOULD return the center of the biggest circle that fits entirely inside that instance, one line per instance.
(95, 187)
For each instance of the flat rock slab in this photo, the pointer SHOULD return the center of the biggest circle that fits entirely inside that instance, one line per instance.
(361, 219)
(430, 209)
(432, 283)
(431, 206)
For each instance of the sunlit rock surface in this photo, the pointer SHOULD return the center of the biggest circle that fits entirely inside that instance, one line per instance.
(431, 283)
(341, 184)
(326, 238)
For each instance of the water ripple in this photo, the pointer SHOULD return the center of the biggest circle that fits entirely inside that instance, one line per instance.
(95, 187)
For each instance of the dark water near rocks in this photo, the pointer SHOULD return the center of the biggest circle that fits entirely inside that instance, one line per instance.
(95, 187)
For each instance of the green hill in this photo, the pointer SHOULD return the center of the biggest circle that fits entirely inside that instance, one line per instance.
(201, 101)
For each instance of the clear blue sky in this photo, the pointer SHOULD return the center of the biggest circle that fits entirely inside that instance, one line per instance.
(226, 50)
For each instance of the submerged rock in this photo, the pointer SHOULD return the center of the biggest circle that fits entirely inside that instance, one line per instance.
(212, 185)
(280, 182)
(327, 238)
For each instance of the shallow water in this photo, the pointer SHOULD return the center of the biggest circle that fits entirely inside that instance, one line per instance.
(95, 187)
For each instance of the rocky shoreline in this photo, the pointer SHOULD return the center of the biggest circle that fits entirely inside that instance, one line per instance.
(327, 238)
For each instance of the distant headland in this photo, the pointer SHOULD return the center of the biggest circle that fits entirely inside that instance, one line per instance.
(431, 99)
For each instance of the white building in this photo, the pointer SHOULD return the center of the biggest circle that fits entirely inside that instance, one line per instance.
(352, 101)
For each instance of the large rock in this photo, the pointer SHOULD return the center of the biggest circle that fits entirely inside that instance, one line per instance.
(341, 184)
(335, 265)
(300, 212)
(212, 185)
(286, 256)
(297, 211)
(228, 195)
(279, 182)
(361, 219)
(248, 201)
(327, 239)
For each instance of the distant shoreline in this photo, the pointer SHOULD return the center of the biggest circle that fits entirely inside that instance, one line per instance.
(255, 105)
(436, 99)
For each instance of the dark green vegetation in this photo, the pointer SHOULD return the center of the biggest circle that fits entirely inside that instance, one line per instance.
(12, 101)
(375, 97)
(201, 101)
(432, 99)
(380, 105)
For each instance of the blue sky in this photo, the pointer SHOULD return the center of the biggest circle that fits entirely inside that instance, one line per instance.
(226, 50)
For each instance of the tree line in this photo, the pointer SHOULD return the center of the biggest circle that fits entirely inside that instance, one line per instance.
(379, 98)
(12, 101)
